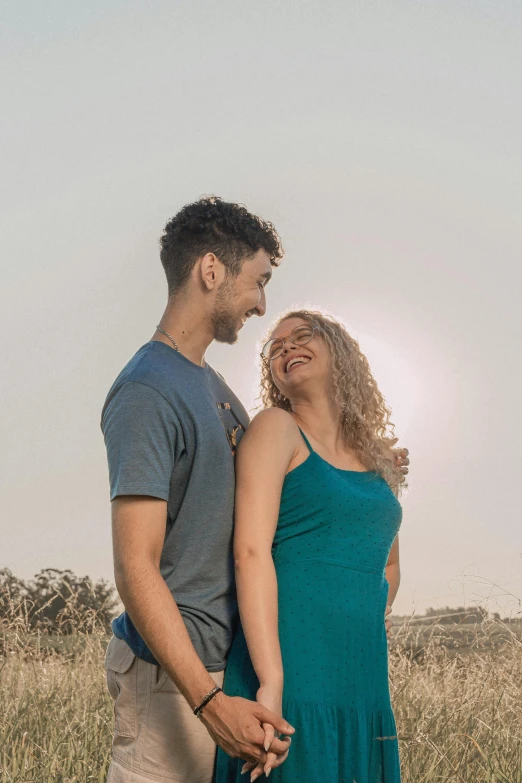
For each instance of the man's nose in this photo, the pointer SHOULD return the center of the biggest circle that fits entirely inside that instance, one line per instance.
(260, 308)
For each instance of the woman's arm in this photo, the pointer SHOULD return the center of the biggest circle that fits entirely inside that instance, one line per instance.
(262, 461)
(263, 457)
(393, 571)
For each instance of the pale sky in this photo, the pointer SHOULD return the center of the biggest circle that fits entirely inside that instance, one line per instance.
(384, 142)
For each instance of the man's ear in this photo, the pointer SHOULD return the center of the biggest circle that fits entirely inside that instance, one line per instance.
(211, 271)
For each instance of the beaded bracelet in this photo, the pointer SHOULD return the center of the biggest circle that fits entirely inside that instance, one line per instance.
(208, 697)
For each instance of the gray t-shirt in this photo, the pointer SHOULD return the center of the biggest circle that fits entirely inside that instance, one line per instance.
(170, 429)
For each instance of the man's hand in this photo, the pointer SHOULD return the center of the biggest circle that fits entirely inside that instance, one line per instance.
(236, 725)
(388, 623)
(402, 460)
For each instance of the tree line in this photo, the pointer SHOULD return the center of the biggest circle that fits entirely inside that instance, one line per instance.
(56, 601)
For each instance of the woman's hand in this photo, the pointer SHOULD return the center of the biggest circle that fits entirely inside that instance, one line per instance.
(269, 696)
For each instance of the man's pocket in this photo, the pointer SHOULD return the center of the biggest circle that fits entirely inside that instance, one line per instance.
(122, 674)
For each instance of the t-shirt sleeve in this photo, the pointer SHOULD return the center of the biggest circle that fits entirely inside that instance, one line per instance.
(144, 440)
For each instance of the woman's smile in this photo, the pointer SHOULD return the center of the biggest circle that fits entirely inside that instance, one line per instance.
(295, 361)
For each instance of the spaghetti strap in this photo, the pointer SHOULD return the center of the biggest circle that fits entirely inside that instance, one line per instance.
(310, 449)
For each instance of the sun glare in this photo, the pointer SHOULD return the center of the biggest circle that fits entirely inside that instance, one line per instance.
(396, 378)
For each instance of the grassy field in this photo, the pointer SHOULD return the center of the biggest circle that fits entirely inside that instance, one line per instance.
(457, 694)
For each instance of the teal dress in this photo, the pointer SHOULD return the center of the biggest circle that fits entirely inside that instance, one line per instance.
(332, 542)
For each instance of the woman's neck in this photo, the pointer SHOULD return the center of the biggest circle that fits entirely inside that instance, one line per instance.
(319, 419)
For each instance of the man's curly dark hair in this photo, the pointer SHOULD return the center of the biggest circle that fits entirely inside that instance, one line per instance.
(212, 225)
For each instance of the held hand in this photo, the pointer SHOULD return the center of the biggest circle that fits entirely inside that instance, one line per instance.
(269, 696)
(402, 460)
(236, 725)
(387, 621)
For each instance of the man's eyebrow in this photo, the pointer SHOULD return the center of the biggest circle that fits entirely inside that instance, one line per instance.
(267, 276)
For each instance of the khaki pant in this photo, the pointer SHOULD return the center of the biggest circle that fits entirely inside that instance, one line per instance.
(156, 735)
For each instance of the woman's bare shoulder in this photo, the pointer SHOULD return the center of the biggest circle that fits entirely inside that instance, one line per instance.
(273, 420)
(272, 425)
(272, 435)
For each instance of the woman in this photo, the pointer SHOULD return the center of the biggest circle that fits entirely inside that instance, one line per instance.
(317, 559)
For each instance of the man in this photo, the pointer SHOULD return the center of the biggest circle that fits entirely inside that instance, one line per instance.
(171, 425)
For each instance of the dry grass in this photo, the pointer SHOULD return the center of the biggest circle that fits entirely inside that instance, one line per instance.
(55, 714)
(55, 722)
(458, 710)
(457, 696)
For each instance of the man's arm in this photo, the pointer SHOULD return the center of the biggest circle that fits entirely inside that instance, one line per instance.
(138, 525)
(138, 531)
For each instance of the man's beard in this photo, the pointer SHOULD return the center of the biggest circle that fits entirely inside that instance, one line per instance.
(224, 321)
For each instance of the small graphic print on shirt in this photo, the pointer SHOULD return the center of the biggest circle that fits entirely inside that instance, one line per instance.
(233, 427)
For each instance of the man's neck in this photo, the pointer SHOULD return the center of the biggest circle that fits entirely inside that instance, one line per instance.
(190, 329)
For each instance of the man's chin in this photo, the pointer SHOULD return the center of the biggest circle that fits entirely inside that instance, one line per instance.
(226, 328)
(229, 337)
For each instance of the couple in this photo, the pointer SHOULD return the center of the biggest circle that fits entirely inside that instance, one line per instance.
(314, 549)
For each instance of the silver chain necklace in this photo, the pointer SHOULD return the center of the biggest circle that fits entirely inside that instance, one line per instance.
(172, 340)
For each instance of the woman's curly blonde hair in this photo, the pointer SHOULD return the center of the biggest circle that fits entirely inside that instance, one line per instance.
(365, 417)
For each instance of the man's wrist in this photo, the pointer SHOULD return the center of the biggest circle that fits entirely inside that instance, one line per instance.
(213, 708)
(197, 691)
(208, 698)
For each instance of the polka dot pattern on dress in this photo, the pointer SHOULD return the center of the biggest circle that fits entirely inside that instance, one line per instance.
(332, 542)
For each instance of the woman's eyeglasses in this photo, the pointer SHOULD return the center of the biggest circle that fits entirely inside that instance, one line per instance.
(298, 336)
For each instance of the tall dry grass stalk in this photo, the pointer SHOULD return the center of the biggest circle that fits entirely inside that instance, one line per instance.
(55, 714)
(457, 695)
(457, 699)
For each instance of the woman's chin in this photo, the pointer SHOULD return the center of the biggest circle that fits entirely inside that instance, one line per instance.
(293, 383)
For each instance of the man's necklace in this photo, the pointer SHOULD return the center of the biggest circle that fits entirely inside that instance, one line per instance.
(172, 340)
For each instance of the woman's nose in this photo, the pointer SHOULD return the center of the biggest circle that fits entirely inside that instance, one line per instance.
(288, 346)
